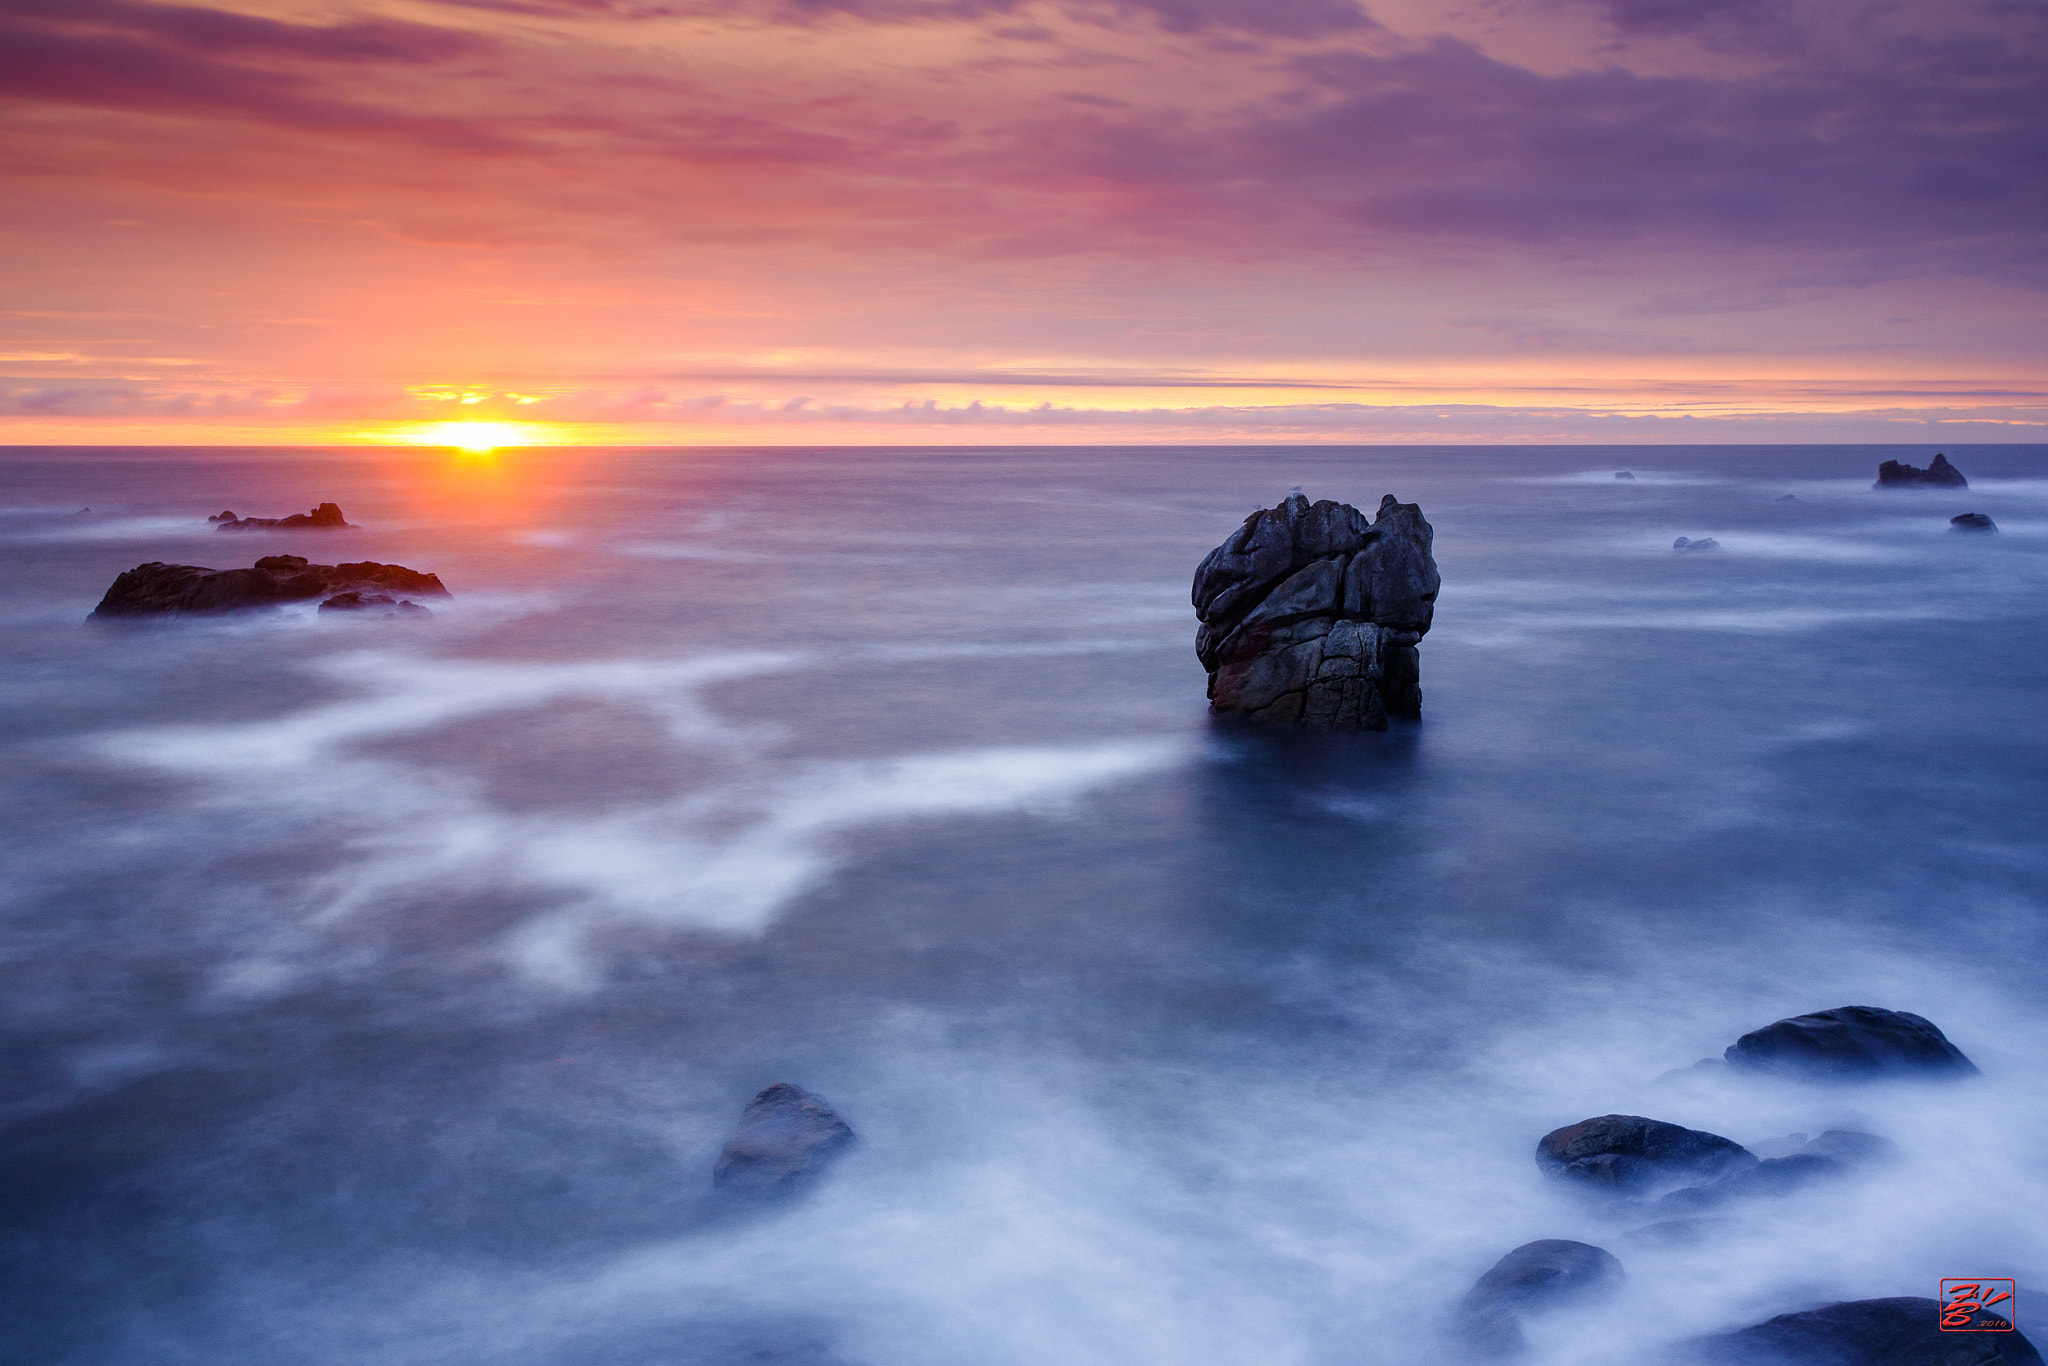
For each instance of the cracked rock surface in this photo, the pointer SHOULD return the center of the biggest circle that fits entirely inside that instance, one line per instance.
(1310, 614)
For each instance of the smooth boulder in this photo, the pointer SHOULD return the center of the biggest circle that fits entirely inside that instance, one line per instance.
(326, 517)
(786, 1137)
(1850, 1043)
(1310, 614)
(157, 588)
(1904, 1331)
(1628, 1154)
(1972, 521)
(1941, 475)
(1535, 1278)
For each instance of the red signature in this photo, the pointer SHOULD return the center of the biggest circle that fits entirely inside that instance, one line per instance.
(1963, 1301)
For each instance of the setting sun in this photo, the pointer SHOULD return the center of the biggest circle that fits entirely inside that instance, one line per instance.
(474, 436)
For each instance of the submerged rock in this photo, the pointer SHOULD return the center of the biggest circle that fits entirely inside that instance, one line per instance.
(1972, 521)
(1892, 475)
(326, 517)
(1703, 543)
(1787, 1166)
(1905, 1331)
(1624, 474)
(355, 600)
(155, 588)
(1851, 1043)
(1311, 614)
(1628, 1154)
(786, 1137)
(1788, 497)
(1535, 1278)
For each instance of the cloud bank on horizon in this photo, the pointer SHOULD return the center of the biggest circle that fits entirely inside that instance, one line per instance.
(1025, 220)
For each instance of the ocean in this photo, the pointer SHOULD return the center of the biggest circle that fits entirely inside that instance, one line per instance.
(381, 991)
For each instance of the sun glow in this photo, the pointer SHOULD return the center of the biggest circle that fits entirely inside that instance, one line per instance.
(476, 437)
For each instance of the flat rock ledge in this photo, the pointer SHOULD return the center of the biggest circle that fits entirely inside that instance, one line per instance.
(326, 517)
(1310, 614)
(156, 588)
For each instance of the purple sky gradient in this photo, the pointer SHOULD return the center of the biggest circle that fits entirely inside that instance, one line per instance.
(1199, 219)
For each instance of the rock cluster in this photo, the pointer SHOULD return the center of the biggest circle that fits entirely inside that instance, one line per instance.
(326, 517)
(156, 588)
(1892, 475)
(786, 1137)
(1310, 614)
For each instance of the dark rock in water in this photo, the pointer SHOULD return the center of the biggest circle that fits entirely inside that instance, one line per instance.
(1788, 497)
(1972, 521)
(1851, 1043)
(1533, 1279)
(154, 588)
(1628, 1154)
(1892, 1332)
(326, 517)
(785, 1138)
(1835, 1154)
(1545, 1274)
(356, 600)
(1624, 474)
(1703, 543)
(1684, 1232)
(1310, 614)
(1892, 475)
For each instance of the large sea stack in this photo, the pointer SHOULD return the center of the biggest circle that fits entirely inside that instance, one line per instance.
(1310, 614)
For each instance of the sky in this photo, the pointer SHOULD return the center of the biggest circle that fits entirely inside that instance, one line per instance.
(1023, 221)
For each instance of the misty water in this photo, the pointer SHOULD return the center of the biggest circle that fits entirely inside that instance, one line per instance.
(382, 991)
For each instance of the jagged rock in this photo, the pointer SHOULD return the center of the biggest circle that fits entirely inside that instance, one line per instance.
(1703, 543)
(326, 517)
(1972, 521)
(1905, 1331)
(1624, 474)
(156, 587)
(786, 1137)
(1535, 1278)
(1849, 1043)
(1628, 1154)
(1892, 475)
(1309, 614)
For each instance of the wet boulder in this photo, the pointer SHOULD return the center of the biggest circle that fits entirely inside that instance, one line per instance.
(1310, 614)
(157, 588)
(785, 1139)
(1939, 475)
(1972, 521)
(1631, 1155)
(1905, 1331)
(1850, 1043)
(1535, 1278)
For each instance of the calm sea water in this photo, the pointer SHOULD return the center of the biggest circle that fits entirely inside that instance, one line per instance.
(381, 992)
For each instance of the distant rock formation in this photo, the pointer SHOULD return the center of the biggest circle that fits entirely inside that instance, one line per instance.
(1310, 614)
(1892, 475)
(1972, 521)
(786, 1137)
(1535, 1278)
(155, 588)
(1628, 1154)
(1703, 543)
(1906, 1331)
(1850, 1043)
(1624, 474)
(326, 517)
